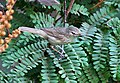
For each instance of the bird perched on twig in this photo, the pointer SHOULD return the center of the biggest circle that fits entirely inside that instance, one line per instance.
(55, 36)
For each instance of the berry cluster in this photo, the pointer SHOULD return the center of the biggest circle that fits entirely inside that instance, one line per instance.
(5, 36)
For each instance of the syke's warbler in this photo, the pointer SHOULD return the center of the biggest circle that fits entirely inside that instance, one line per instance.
(55, 36)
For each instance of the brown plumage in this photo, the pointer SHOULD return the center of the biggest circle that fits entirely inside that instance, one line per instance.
(55, 35)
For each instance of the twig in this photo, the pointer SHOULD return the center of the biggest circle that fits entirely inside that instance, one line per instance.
(67, 12)
(98, 4)
(12, 5)
(70, 6)
(64, 12)
(55, 50)
(8, 31)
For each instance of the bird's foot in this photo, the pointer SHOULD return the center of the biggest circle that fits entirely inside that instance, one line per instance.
(62, 53)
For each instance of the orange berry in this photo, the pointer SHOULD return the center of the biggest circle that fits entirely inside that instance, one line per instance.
(3, 33)
(7, 13)
(9, 7)
(1, 41)
(9, 1)
(7, 40)
(17, 31)
(8, 25)
(3, 16)
(2, 26)
(15, 35)
(10, 36)
(2, 49)
(11, 11)
(13, 32)
(6, 46)
(1, 13)
(2, 20)
(10, 17)
(5, 22)
(12, 2)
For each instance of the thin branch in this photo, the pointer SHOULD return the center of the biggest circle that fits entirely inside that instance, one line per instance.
(67, 12)
(70, 6)
(8, 31)
(97, 5)
(64, 12)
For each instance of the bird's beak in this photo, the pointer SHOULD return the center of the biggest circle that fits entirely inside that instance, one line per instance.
(79, 34)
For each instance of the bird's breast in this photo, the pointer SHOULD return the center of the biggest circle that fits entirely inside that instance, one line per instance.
(54, 41)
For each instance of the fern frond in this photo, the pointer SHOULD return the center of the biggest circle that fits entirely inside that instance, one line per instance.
(78, 58)
(93, 58)
(21, 59)
(77, 10)
(41, 20)
(57, 7)
(114, 56)
(23, 20)
(100, 52)
(3, 77)
(83, 78)
(118, 73)
(88, 32)
(114, 47)
(104, 75)
(91, 74)
(113, 2)
(48, 71)
(77, 54)
(18, 79)
(28, 38)
(66, 70)
(100, 17)
(114, 23)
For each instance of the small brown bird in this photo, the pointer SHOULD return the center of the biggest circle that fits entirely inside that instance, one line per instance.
(55, 36)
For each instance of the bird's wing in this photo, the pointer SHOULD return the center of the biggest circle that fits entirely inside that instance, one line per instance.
(55, 32)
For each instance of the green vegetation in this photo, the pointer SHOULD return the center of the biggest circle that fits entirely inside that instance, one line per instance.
(94, 58)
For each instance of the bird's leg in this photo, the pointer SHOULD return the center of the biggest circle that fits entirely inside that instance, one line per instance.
(62, 49)
(55, 49)
(61, 53)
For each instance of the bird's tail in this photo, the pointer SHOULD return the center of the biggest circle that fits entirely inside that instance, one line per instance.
(27, 29)
(32, 30)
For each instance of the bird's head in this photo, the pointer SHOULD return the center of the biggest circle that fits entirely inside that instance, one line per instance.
(73, 31)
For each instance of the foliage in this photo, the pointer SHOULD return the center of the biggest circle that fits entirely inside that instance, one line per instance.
(93, 58)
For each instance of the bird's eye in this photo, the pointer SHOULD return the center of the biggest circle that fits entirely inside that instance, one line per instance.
(73, 33)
